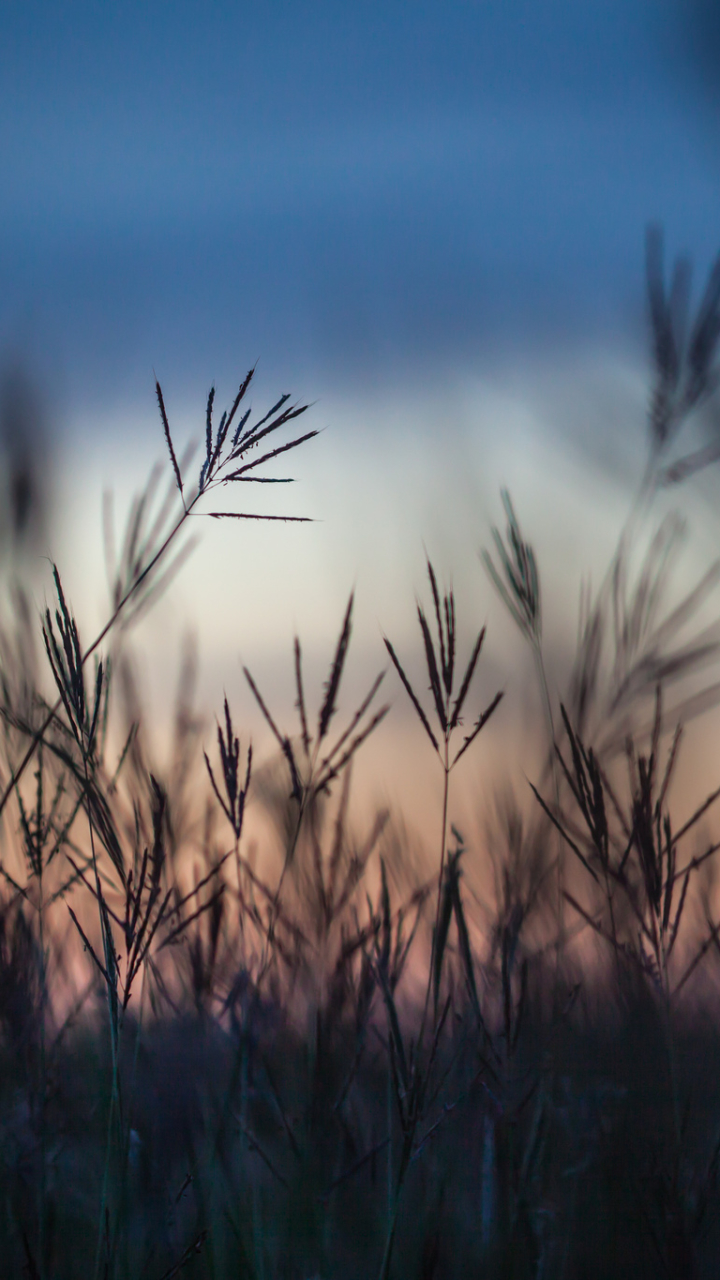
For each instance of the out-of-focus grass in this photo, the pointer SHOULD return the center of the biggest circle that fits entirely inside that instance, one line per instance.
(211, 1071)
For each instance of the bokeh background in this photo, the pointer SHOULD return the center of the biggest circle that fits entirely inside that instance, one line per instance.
(425, 217)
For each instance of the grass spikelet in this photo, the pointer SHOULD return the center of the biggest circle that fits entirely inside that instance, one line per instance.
(209, 425)
(328, 707)
(242, 390)
(704, 336)
(241, 472)
(410, 692)
(432, 670)
(168, 439)
(479, 726)
(519, 584)
(467, 680)
(284, 743)
(233, 802)
(300, 703)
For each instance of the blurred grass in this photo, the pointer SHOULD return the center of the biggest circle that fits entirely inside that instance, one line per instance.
(210, 1070)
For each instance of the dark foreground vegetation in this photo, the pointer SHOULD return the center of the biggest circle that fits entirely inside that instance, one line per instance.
(211, 1069)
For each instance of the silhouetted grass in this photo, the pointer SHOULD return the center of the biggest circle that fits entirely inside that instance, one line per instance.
(208, 1070)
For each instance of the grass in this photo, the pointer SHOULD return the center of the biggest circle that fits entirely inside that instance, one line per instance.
(206, 1072)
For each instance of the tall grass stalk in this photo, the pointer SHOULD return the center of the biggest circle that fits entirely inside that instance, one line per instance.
(226, 462)
(411, 1079)
(449, 701)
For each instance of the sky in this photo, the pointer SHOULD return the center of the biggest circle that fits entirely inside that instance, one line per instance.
(425, 218)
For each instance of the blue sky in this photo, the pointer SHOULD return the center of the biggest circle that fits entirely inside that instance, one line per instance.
(339, 189)
(427, 216)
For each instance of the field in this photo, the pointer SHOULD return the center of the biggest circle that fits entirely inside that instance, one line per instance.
(208, 1071)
